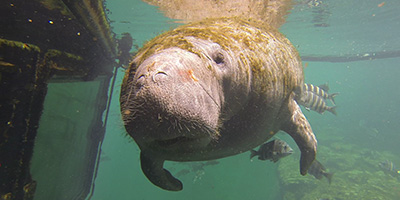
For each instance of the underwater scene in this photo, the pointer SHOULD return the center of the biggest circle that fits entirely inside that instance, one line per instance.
(350, 49)
(200, 99)
(341, 43)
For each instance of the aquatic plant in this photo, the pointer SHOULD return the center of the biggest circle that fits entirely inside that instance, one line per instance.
(356, 175)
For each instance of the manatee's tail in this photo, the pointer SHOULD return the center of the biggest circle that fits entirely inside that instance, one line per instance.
(329, 177)
(253, 153)
(332, 110)
(332, 96)
(152, 167)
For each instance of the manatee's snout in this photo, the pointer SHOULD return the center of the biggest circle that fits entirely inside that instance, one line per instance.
(175, 101)
(171, 105)
(152, 78)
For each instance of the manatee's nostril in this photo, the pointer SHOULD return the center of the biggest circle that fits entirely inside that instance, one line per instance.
(141, 77)
(140, 81)
(159, 75)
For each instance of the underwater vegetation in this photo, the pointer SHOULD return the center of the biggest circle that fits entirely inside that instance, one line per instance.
(357, 174)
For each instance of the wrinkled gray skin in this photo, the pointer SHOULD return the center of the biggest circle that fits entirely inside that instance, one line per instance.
(206, 103)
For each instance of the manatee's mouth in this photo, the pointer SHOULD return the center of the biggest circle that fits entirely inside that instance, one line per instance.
(170, 142)
(169, 137)
(169, 125)
(182, 141)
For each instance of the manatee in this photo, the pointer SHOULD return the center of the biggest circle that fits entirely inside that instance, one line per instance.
(272, 12)
(212, 89)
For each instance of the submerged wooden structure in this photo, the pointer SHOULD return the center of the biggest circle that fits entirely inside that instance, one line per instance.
(61, 52)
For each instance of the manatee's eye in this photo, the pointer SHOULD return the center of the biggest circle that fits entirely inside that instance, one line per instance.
(218, 58)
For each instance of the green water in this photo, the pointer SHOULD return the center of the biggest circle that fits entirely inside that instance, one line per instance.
(364, 133)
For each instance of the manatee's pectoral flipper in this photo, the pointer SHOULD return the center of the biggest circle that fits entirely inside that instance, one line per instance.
(153, 169)
(300, 130)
